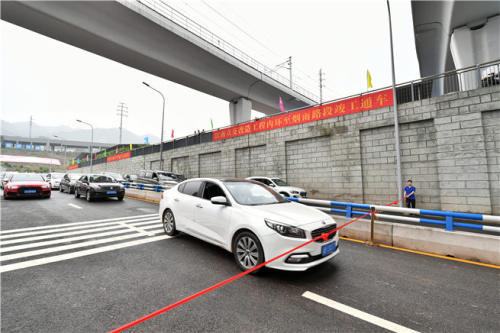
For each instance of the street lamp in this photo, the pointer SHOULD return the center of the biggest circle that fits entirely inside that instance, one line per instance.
(65, 147)
(162, 122)
(396, 122)
(91, 140)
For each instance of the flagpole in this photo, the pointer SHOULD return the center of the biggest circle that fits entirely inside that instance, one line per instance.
(395, 108)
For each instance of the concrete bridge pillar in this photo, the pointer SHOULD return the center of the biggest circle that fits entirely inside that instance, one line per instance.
(240, 110)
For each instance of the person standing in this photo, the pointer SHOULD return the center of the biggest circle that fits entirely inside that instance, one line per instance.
(409, 194)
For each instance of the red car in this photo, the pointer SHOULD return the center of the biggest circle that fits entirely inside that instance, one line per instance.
(23, 185)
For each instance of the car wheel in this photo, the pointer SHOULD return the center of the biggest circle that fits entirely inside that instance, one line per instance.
(77, 195)
(247, 251)
(285, 194)
(120, 198)
(88, 196)
(169, 223)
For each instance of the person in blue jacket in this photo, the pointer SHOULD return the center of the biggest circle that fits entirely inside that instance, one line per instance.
(409, 194)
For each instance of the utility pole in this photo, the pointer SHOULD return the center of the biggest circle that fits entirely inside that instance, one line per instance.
(290, 69)
(396, 122)
(321, 85)
(122, 112)
(31, 125)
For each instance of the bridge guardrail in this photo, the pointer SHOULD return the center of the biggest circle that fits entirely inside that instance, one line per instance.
(348, 208)
(147, 187)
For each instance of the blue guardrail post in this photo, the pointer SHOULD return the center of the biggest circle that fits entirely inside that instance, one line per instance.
(141, 186)
(348, 212)
(449, 223)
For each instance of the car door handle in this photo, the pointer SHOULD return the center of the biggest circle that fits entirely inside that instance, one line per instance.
(176, 200)
(199, 206)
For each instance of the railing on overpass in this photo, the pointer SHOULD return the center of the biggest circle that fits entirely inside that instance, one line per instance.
(185, 22)
(398, 214)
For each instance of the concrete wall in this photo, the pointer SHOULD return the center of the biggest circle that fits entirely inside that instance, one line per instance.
(450, 148)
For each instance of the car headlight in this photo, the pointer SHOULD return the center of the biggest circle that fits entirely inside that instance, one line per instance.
(45, 186)
(285, 230)
(95, 186)
(12, 187)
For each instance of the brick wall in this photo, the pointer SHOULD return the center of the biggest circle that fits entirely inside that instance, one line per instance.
(450, 148)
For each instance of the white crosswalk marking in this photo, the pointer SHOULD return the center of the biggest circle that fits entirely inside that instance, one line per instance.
(54, 243)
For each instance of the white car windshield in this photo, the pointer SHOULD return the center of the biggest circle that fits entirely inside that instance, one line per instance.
(251, 194)
(279, 182)
(57, 175)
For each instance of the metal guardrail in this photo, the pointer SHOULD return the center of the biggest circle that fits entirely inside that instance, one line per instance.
(171, 14)
(349, 210)
(147, 187)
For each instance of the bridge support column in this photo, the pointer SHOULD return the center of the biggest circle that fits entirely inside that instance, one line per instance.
(240, 110)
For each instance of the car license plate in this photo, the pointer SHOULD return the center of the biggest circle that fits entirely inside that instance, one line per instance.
(328, 248)
(111, 192)
(29, 191)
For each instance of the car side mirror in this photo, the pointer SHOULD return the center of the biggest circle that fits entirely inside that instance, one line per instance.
(219, 201)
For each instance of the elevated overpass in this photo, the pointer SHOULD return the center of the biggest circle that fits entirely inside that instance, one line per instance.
(153, 37)
(51, 144)
(455, 34)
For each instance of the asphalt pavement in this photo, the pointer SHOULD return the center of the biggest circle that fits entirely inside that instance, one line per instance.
(73, 266)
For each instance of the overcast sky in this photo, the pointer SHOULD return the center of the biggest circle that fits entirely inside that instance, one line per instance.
(57, 83)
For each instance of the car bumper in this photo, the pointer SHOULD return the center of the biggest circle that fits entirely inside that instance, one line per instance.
(15, 194)
(275, 245)
(104, 194)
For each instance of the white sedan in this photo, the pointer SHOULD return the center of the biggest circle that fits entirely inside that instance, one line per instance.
(250, 220)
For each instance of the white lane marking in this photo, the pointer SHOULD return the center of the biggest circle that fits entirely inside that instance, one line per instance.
(388, 325)
(74, 206)
(71, 246)
(61, 257)
(76, 223)
(70, 239)
(62, 234)
(55, 231)
(139, 230)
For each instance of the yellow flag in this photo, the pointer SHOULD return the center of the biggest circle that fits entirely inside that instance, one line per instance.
(130, 146)
(369, 79)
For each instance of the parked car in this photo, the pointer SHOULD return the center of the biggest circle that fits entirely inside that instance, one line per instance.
(68, 182)
(130, 178)
(54, 179)
(118, 177)
(250, 220)
(158, 177)
(21, 185)
(281, 187)
(5, 177)
(93, 186)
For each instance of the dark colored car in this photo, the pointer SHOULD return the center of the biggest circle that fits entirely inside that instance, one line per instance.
(158, 177)
(23, 185)
(68, 182)
(93, 186)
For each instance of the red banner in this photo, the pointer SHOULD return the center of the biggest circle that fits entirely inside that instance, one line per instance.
(72, 167)
(362, 103)
(118, 157)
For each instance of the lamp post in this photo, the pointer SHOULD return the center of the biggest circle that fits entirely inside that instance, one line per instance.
(91, 140)
(65, 147)
(162, 123)
(395, 108)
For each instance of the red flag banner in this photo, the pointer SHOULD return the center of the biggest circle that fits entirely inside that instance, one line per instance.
(118, 157)
(72, 167)
(357, 104)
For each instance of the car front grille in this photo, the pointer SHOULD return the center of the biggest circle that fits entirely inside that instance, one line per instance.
(28, 188)
(320, 231)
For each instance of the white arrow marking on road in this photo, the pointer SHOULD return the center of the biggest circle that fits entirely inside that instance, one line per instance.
(388, 325)
(74, 206)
